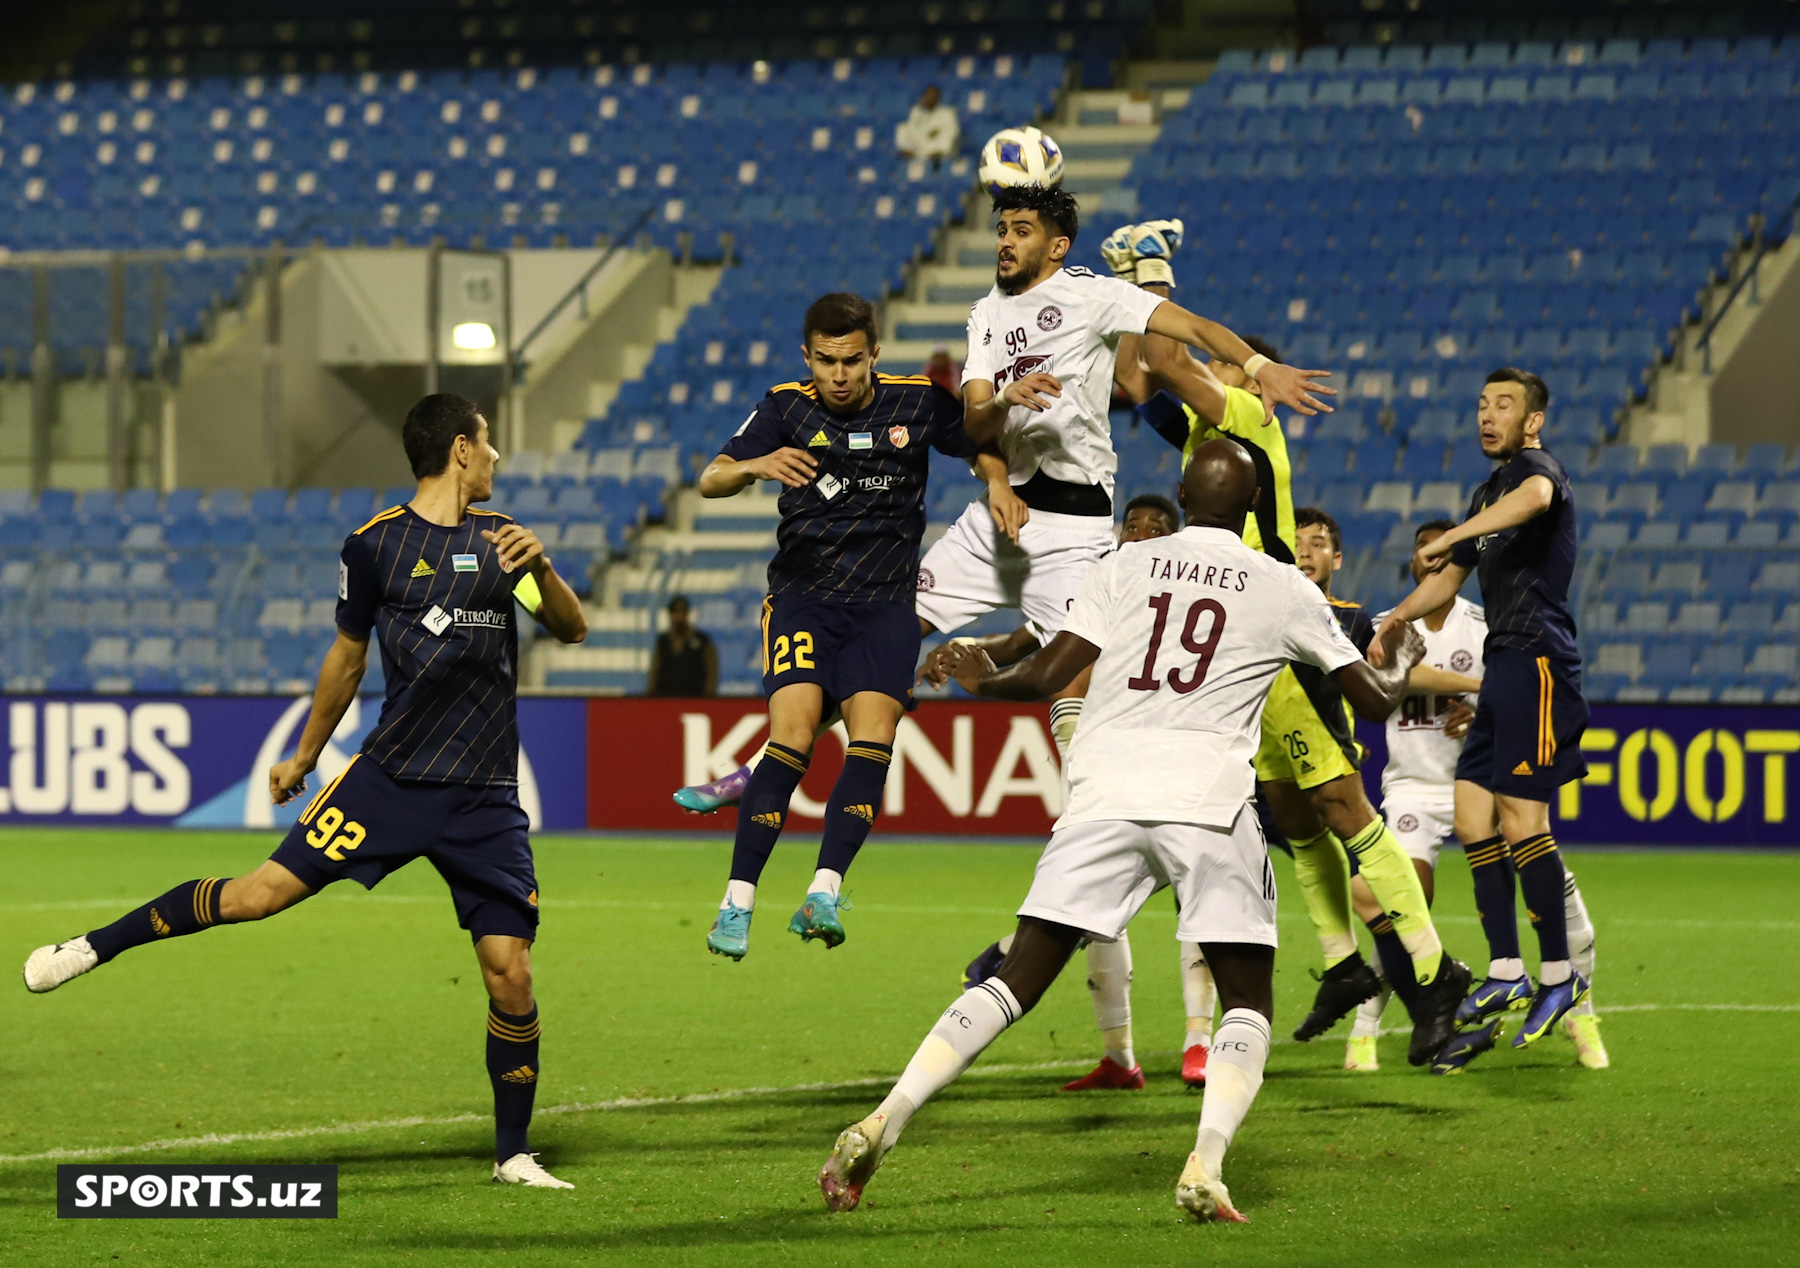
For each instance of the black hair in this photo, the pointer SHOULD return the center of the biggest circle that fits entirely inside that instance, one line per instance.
(1156, 502)
(1263, 347)
(1307, 516)
(682, 600)
(839, 313)
(1537, 393)
(1056, 207)
(1433, 526)
(431, 429)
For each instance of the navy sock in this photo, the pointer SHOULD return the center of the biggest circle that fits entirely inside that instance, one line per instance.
(188, 908)
(1541, 882)
(763, 809)
(1396, 961)
(855, 801)
(512, 1065)
(1491, 867)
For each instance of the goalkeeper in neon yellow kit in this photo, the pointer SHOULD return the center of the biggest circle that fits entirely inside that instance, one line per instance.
(1307, 767)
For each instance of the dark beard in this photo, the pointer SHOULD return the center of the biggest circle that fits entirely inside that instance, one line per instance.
(1012, 287)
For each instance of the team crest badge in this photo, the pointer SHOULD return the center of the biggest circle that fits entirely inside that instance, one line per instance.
(899, 435)
(1408, 823)
(1461, 661)
(1049, 317)
(927, 582)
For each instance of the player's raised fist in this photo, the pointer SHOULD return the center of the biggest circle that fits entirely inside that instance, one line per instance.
(1033, 391)
(518, 547)
(1120, 258)
(1294, 388)
(287, 780)
(794, 468)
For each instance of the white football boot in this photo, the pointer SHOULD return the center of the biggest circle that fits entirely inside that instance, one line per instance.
(524, 1169)
(1205, 1197)
(49, 967)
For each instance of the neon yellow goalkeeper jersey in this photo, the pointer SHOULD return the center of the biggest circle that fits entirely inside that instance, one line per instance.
(1274, 517)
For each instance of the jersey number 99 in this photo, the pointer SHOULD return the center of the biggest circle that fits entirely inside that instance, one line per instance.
(325, 835)
(802, 648)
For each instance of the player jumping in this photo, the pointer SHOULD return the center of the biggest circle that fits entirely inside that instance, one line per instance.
(1185, 635)
(1424, 741)
(1043, 344)
(435, 580)
(1525, 740)
(851, 448)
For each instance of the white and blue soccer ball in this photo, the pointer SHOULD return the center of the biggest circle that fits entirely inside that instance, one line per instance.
(1020, 156)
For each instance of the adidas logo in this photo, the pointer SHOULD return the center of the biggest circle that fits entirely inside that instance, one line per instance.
(423, 569)
(524, 1074)
(159, 924)
(1523, 768)
(1531, 915)
(865, 813)
(770, 819)
(819, 441)
(1305, 767)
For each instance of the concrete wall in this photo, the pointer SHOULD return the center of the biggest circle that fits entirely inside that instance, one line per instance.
(1752, 394)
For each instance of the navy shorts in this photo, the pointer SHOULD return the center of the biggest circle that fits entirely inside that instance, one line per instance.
(844, 647)
(363, 825)
(1525, 740)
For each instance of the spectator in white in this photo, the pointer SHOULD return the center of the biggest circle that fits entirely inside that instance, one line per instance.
(930, 130)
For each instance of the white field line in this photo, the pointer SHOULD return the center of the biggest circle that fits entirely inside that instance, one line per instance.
(886, 909)
(696, 1098)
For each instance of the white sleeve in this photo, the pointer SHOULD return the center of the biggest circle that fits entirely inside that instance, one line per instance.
(1090, 616)
(1121, 308)
(1311, 632)
(979, 364)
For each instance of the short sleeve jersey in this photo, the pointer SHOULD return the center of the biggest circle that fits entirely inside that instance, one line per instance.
(852, 535)
(1421, 758)
(1192, 630)
(443, 614)
(1525, 571)
(1067, 325)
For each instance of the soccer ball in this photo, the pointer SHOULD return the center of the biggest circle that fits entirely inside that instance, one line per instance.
(1020, 156)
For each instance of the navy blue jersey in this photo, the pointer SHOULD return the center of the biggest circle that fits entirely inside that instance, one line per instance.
(852, 535)
(1353, 618)
(443, 614)
(1525, 571)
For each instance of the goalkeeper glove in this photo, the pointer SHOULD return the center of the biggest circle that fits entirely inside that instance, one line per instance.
(1117, 253)
(1153, 244)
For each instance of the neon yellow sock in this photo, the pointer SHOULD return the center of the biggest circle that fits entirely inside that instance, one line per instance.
(1389, 873)
(1323, 870)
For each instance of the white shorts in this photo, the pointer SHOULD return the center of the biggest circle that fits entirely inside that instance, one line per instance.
(1095, 876)
(1421, 826)
(973, 569)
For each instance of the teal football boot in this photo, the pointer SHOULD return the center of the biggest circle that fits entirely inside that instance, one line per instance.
(730, 933)
(818, 918)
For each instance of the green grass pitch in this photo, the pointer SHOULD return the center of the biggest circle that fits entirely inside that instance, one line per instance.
(349, 1031)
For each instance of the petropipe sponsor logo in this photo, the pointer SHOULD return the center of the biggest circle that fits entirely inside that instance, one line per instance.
(273, 1192)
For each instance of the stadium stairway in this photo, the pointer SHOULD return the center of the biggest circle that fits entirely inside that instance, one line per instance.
(1098, 150)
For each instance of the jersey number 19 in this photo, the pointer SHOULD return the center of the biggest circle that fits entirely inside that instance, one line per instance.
(1147, 679)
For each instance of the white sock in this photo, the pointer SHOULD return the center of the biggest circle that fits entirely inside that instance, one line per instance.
(1234, 1072)
(1581, 937)
(1109, 986)
(1507, 970)
(1005, 944)
(1553, 972)
(739, 894)
(964, 1031)
(1199, 997)
(754, 758)
(1064, 714)
(1368, 1015)
(826, 881)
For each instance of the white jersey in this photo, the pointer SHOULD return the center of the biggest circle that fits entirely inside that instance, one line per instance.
(1421, 758)
(1068, 325)
(1192, 630)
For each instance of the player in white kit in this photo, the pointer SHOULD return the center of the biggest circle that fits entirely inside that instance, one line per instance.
(1418, 798)
(1185, 634)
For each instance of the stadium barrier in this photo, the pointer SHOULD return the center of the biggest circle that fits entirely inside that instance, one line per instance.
(1691, 775)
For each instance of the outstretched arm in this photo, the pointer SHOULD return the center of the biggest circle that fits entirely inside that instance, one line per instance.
(985, 410)
(339, 677)
(1521, 505)
(1281, 384)
(1433, 593)
(1039, 675)
(1375, 691)
(1002, 649)
(725, 477)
